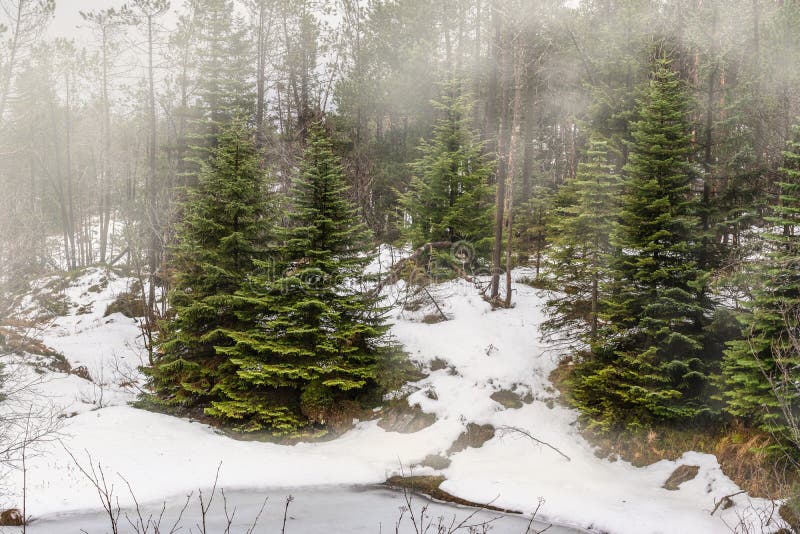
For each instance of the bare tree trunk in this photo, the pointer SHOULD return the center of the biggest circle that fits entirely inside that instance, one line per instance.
(758, 137)
(500, 204)
(70, 198)
(519, 67)
(105, 174)
(12, 52)
(502, 169)
(153, 245)
(261, 74)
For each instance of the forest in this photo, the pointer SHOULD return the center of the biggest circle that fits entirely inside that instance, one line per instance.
(245, 163)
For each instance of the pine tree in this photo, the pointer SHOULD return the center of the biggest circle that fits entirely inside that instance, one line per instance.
(226, 223)
(449, 198)
(223, 90)
(753, 368)
(581, 249)
(651, 365)
(313, 337)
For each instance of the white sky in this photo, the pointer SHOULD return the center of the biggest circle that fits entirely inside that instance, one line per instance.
(68, 23)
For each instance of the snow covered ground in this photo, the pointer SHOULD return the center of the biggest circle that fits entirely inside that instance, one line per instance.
(485, 351)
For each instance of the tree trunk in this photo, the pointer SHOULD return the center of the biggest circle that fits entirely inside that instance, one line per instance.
(12, 52)
(519, 67)
(105, 178)
(502, 170)
(261, 75)
(153, 246)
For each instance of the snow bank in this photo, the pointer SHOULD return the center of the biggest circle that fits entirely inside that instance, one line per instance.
(484, 351)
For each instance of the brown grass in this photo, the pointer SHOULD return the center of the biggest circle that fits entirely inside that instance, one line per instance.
(19, 343)
(738, 448)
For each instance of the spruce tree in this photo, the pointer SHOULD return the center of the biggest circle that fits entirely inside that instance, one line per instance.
(581, 250)
(449, 198)
(314, 335)
(221, 87)
(226, 224)
(753, 368)
(650, 365)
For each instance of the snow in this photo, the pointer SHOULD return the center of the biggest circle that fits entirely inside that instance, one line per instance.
(486, 351)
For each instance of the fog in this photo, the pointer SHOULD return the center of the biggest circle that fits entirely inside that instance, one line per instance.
(476, 136)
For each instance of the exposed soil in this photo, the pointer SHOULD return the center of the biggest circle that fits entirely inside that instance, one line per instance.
(429, 486)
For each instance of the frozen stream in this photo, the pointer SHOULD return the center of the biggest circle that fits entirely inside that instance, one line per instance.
(338, 509)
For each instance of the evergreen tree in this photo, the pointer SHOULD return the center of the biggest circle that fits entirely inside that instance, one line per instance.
(532, 220)
(226, 223)
(651, 364)
(222, 66)
(313, 335)
(449, 198)
(753, 368)
(581, 250)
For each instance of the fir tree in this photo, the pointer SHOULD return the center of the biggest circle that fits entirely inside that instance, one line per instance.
(222, 63)
(581, 250)
(314, 336)
(651, 364)
(753, 368)
(449, 198)
(226, 223)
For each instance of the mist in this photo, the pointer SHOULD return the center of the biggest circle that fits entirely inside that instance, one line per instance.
(619, 177)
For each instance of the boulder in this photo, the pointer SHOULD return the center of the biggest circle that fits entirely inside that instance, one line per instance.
(507, 398)
(400, 417)
(436, 461)
(474, 436)
(683, 473)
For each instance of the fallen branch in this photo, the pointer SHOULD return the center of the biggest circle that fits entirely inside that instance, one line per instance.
(726, 497)
(438, 308)
(530, 436)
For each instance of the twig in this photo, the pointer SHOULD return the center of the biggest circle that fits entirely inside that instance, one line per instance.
(722, 500)
(289, 499)
(529, 435)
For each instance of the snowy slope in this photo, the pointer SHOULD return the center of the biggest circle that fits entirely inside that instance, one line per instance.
(485, 351)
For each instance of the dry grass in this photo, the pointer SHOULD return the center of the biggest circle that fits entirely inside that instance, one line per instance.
(20, 343)
(738, 448)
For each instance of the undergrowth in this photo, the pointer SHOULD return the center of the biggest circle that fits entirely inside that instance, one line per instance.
(740, 450)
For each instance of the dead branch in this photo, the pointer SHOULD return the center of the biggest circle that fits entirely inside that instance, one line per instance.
(522, 431)
(726, 497)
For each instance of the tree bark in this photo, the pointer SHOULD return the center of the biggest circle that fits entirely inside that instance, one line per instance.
(519, 67)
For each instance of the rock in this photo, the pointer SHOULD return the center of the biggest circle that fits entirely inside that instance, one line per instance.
(400, 417)
(434, 318)
(436, 461)
(475, 436)
(437, 364)
(11, 518)
(507, 398)
(683, 473)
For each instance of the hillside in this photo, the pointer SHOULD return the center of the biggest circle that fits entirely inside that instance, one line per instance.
(475, 354)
